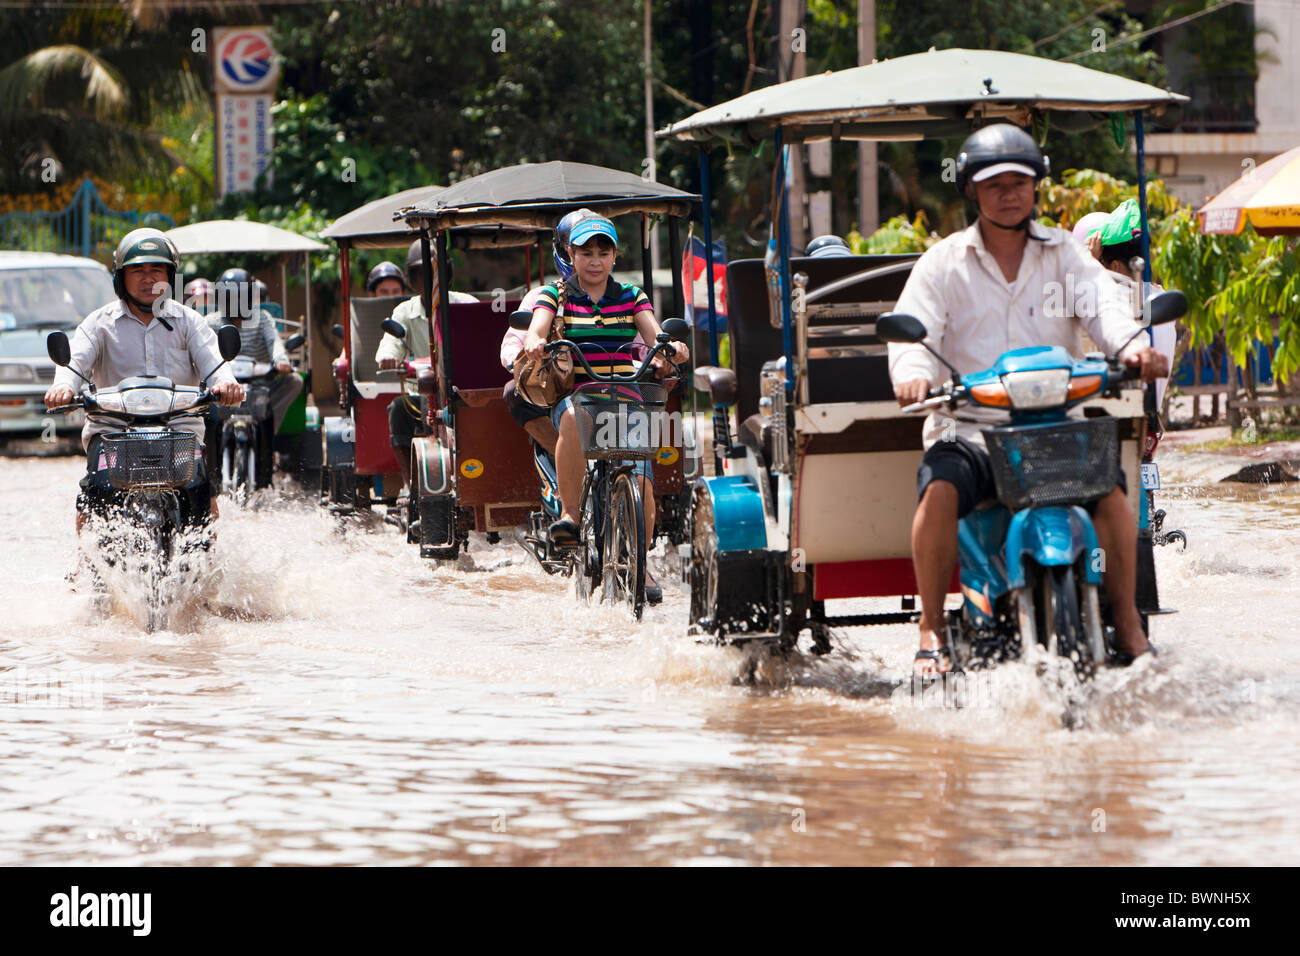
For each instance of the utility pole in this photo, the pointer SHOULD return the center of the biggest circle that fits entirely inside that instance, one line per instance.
(868, 188)
(792, 65)
(650, 168)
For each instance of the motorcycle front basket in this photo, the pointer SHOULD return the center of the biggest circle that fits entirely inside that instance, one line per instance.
(1065, 463)
(138, 461)
(617, 422)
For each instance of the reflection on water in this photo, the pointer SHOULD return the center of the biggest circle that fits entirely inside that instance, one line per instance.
(328, 698)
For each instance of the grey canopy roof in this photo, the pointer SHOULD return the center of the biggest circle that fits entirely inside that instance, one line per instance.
(238, 235)
(373, 225)
(536, 194)
(938, 93)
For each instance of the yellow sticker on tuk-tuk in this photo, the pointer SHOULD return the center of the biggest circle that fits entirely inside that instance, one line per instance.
(471, 467)
(667, 455)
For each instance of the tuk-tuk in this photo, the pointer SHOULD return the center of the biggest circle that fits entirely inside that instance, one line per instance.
(477, 471)
(814, 496)
(357, 454)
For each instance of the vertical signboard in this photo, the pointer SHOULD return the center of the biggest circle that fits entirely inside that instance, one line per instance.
(244, 74)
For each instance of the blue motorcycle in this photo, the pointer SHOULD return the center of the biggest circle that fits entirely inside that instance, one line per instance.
(1030, 564)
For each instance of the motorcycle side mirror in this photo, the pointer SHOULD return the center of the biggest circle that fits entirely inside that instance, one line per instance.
(56, 344)
(294, 342)
(900, 327)
(677, 329)
(228, 342)
(1164, 307)
(336, 330)
(520, 320)
(394, 328)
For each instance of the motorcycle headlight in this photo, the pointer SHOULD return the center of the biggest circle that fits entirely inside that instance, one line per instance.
(17, 373)
(111, 402)
(147, 401)
(184, 398)
(1042, 388)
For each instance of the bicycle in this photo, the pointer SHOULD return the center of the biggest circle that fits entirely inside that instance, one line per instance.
(617, 424)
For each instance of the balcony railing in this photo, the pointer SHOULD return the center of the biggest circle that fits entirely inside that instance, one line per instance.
(1223, 103)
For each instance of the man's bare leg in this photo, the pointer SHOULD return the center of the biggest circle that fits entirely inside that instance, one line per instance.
(403, 456)
(1117, 535)
(934, 556)
(543, 432)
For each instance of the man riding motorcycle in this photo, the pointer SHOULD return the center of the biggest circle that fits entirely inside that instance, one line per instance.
(238, 303)
(406, 411)
(1004, 282)
(144, 331)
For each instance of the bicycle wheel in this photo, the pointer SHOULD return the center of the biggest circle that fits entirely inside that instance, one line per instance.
(586, 559)
(624, 564)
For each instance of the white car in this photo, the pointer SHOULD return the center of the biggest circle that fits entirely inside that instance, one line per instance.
(40, 292)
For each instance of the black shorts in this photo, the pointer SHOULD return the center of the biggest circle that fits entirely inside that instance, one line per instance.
(966, 466)
(401, 422)
(522, 412)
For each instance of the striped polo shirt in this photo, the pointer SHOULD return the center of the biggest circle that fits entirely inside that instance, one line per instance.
(604, 330)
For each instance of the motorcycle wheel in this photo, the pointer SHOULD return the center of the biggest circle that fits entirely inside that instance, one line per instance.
(156, 611)
(1061, 623)
(624, 558)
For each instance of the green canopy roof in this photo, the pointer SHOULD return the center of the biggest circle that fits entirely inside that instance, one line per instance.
(938, 93)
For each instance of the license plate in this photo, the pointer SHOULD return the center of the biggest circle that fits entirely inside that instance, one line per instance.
(1151, 477)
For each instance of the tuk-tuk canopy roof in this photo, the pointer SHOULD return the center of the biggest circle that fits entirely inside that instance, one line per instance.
(238, 235)
(938, 93)
(535, 195)
(374, 226)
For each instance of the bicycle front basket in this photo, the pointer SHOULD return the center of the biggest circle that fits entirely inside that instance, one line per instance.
(618, 422)
(144, 460)
(1073, 462)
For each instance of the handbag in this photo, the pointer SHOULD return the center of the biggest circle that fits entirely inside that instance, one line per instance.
(547, 380)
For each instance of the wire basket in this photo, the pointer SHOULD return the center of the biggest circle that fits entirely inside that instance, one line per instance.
(1074, 462)
(618, 422)
(165, 460)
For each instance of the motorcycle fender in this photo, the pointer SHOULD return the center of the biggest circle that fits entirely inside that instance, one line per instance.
(1052, 537)
(979, 538)
(432, 462)
(340, 442)
(737, 512)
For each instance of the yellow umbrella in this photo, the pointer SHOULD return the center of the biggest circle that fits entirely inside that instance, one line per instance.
(1267, 196)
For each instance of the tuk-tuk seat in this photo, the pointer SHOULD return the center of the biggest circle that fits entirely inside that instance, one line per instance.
(477, 329)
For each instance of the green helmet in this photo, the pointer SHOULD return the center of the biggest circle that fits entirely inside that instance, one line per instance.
(140, 246)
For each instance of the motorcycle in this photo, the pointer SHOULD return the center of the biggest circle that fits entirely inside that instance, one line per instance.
(247, 431)
(1030, 565)
(150, 522)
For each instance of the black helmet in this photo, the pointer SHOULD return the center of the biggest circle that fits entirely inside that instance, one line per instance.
(263, 293)
(385, 270)
(140, 246)
(828, 247)
(1000, 144)
(234, 293)
(415, 267)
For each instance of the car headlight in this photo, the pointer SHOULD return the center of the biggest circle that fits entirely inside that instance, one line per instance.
(1042, 388)
(17, 373)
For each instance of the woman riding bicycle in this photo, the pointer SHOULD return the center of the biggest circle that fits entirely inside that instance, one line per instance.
(604, 318)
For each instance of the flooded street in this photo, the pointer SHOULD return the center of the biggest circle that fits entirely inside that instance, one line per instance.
(332, 699)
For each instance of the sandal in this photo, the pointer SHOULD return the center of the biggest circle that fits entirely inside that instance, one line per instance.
(1124, 658)
(654, 594)
(563, 533)
(932, 654)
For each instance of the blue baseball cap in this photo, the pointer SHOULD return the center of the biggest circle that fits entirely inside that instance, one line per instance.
(596, 226)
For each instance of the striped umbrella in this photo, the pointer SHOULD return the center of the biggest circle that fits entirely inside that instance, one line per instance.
(1268, 196)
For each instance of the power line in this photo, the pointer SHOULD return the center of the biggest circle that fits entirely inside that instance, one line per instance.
(1153, 31)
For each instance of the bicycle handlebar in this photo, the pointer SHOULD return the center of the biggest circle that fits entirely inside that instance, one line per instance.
(612, 379)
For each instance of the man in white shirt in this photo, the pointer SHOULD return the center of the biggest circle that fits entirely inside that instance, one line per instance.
(143, 332)
(1004, 283)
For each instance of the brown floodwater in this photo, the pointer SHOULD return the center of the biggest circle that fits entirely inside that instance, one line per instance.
(326, 697)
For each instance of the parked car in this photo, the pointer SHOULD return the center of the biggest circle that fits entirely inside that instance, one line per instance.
(40, 292)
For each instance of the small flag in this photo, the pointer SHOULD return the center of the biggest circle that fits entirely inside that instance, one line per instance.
(694, 266)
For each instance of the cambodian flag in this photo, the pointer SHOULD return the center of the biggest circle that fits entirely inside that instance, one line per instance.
(695, 263)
